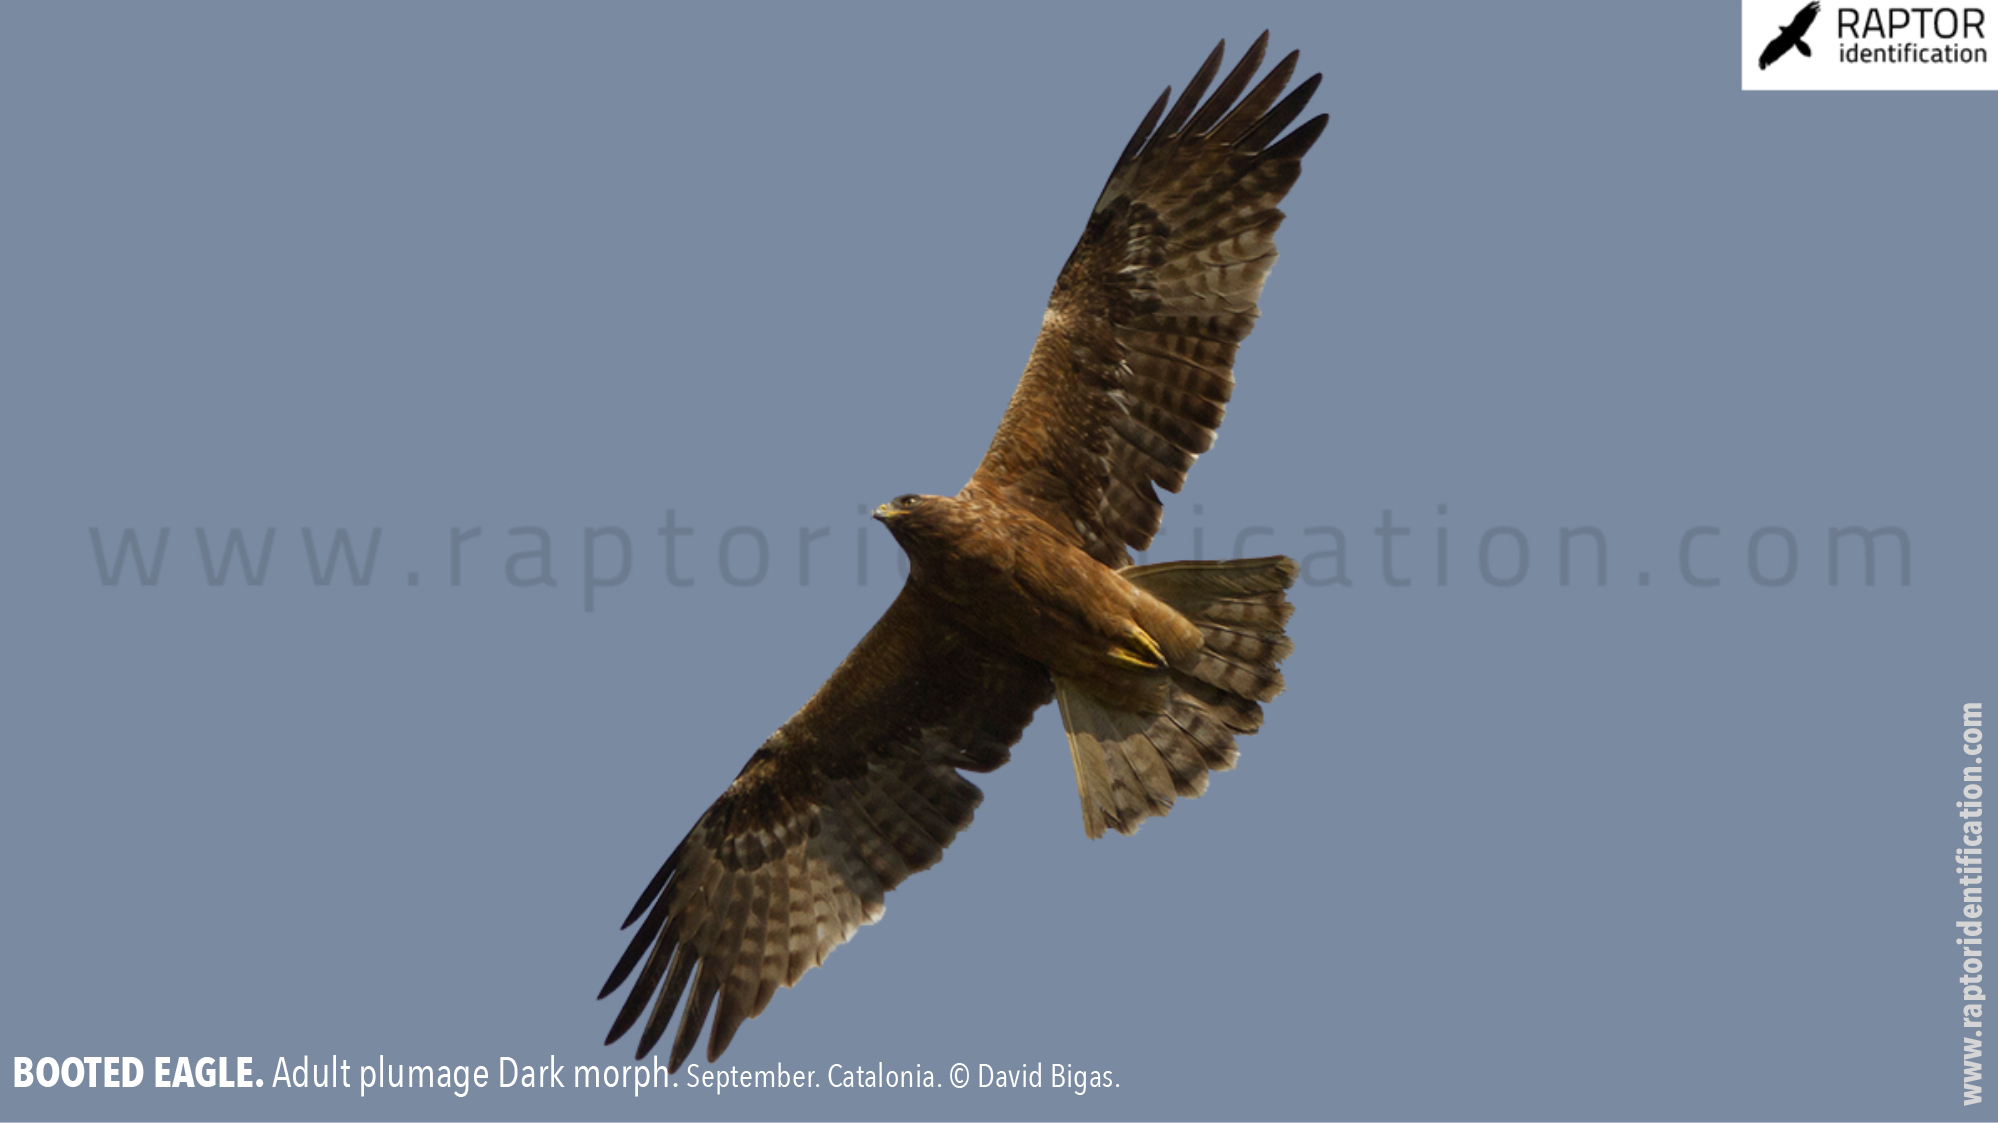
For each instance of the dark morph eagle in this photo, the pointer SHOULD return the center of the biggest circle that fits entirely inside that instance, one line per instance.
(1021, 591)
(1791, 36)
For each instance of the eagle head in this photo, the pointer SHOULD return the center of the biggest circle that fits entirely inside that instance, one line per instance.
(900, 507)
(920, 523)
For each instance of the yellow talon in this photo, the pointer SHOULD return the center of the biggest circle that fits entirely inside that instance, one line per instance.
(1147, 655)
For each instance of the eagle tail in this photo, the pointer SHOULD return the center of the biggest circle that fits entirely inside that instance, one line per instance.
(1803, 48)
(1131, 765)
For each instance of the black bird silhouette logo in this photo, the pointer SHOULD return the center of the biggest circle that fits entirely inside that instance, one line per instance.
(1791, 36)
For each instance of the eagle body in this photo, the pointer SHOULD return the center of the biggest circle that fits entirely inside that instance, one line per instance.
(1004, 575)
(1021, 591)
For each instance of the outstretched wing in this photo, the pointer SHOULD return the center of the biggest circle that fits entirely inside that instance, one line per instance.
(1805, 17)
(1134, 363)
(856, 792)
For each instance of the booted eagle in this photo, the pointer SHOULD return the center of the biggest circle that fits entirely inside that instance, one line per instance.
(1021, 591)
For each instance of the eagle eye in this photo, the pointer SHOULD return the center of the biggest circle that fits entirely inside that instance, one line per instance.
(908, 500)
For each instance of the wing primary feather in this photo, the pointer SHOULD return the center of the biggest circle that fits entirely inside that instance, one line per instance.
(1144, 132)
(752, 951)
(1251, 108)
(1294, 146)
(669, 997)
(657, 883)
(705, 985)
(729, 1013)
(634, 1003)
(1275, 120)
(731, 1005)
(1189, 98)
(1230, 88)
(776, 933)
(720, 897)
(733, 1009)
(647, 934)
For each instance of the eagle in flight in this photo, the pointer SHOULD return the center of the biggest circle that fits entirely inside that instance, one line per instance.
(1021, 591)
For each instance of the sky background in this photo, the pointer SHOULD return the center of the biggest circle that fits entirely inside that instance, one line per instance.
(1535, 850)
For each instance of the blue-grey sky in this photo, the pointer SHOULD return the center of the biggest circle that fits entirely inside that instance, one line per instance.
(1505, 849)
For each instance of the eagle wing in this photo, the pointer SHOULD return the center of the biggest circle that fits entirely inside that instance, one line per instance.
(856, 792)
(1134, 363)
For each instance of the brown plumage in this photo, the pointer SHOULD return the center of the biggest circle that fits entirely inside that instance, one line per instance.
(1021, 591)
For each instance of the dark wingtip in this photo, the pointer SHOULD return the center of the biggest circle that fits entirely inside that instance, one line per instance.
(1221, 101)
(619, 1028)
(1299, 142)
(658, 882)
(1189, 97)
(1260, 137)
(626, 1018)
(1145, 128)
(636, 948)
(650, 1038)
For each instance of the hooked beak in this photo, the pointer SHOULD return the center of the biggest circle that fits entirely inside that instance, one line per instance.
(884, 512)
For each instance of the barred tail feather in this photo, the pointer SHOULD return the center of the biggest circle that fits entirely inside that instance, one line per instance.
(1131, 765)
